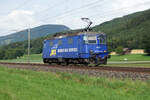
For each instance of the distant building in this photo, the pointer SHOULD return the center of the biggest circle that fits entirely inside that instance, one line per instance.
(137, 51)
(127, 51)
(113, 53)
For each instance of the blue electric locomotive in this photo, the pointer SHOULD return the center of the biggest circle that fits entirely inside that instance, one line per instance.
(83, 48)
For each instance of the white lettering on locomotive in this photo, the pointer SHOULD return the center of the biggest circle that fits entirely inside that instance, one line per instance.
(67, 50)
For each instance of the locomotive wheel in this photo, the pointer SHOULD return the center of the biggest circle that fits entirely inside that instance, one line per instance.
(85, 64)
(45, 60)
(93, 61)
(98, 63)
(58, 63)
(105, 61)
(64, 62)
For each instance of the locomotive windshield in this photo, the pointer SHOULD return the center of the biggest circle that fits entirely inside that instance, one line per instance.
(102, 39)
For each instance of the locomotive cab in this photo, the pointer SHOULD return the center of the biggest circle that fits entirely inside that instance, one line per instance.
(96, 48)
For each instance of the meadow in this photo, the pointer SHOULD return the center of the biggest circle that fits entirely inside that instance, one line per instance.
(35, 58)
(130, 57)
(17, 84)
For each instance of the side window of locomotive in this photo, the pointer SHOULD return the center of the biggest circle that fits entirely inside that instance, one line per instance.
(85, 39)
(51, 43)
(70, 40)
(59, 42)
(92, 39)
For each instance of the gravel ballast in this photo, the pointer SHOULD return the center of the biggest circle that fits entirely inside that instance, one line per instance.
(93, 72)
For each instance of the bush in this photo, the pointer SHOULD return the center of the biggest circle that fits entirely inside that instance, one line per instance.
(146, 43)
(11, 53)
(2, 53)
(119, 50)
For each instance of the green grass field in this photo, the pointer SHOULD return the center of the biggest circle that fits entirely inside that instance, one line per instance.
(145, 65)
(132, 60)
(33, 58)
(130, 57)
(16, 84)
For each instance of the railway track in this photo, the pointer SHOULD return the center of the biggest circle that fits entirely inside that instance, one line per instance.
(100, 68)
(103, 71)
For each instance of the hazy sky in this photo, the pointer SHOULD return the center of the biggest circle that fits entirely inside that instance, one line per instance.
(16, 15)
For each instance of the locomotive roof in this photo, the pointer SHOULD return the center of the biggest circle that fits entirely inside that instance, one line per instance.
(57, 36)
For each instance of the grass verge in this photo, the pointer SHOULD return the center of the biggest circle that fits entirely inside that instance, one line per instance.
(130, 57)
(17, 84)
(37, 58)
(145, 65)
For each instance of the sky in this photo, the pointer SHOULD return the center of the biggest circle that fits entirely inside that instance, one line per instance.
(17, 15)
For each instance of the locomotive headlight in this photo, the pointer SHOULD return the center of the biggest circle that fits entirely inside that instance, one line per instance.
(91, 51)
(105, 51)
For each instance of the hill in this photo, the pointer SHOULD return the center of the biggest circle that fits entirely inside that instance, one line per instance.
(36, 32)
(128, 31)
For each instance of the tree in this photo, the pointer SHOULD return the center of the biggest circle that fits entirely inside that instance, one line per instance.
(19, 52)
(2, 53)
(119, 50)
(146, 43)
(9, 54)
(13, 53)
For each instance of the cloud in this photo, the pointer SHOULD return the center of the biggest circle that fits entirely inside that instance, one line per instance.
(119, 8)
(36, 14)
(101, 12)
(18, 20)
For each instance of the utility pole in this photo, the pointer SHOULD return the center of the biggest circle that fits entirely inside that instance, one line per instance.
(29, 44)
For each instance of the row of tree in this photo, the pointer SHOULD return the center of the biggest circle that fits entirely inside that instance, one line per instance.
(11, 53)
(19, 49)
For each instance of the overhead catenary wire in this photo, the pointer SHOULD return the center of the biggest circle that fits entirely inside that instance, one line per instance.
(20, 5)
(110, 12)
(26, 2)
(123, 8)
(62, 15)
(84, 6)
(51, 7)
(69, 11)
(23, 4)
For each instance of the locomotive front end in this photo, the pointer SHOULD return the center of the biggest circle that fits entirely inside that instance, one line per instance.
(97, 48)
